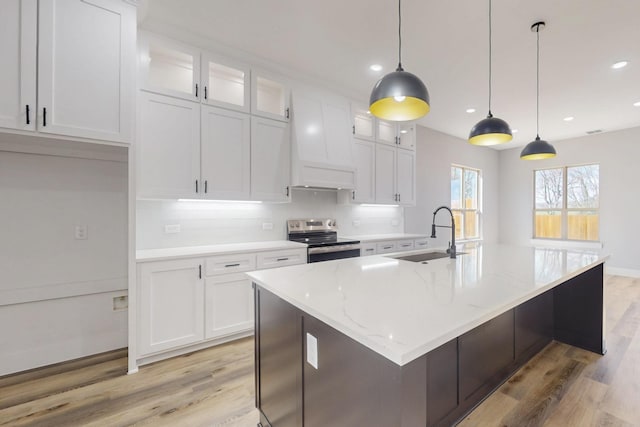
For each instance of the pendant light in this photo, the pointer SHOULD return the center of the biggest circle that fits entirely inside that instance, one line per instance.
(539, 148)
(492, 130)
(399, 95)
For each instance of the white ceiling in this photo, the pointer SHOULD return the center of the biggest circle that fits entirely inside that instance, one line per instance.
(445, 43)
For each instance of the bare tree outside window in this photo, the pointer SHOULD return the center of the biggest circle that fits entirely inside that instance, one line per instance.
(566, 203)
(465, 201)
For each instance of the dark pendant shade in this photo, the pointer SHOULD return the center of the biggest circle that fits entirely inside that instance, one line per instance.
(537, 150)
(490, 131)
(399, 96)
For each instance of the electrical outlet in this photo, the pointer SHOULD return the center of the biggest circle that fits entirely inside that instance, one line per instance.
(312, 350)
(267, 226)
(171, 228)
(80, 232)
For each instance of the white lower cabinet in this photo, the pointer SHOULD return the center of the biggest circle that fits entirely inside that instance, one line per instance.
(229, 305)
(171, 313)
(200, 301)
(367, 249)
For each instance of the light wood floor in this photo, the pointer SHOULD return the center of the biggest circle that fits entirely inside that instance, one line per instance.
(561, 386)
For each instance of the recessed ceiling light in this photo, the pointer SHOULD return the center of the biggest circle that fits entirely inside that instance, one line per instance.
(514, 130)
(404, 131)
(568, 119)
(471, 110)
(376, 67)
(619, 64)
(636, 104)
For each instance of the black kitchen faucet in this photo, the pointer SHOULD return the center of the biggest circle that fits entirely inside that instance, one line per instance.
(452, 245)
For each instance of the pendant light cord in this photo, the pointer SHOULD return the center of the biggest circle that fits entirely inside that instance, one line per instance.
(490, 58)
(399, 38)
(538, 82)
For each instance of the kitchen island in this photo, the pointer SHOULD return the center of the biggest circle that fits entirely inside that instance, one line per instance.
(381, 341)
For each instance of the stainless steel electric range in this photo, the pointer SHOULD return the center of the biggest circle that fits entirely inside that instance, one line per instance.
(322, 237)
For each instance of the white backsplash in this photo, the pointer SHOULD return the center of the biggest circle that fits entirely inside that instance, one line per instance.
(206, 223)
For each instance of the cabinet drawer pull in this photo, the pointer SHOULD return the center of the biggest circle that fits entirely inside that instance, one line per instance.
(196, 185)
(387, 247)
(282, 259)
(28, 118)
(44, 116)
(369, 250)
(232, 265)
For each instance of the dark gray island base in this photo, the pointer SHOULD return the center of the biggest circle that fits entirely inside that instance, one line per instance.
(355, 386)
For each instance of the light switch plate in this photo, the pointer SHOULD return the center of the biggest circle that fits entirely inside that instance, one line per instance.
(312, 350)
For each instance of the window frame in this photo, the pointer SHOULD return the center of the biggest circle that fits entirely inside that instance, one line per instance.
(564, 209)
(463, 211)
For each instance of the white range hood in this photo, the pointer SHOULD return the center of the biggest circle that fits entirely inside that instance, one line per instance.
(322, 151)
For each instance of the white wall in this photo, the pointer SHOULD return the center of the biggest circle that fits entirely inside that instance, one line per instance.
(617, 153)
(56, 292)
(207, 223)
(436, 152)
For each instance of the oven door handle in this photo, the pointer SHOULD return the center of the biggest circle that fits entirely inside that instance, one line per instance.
(329, 249)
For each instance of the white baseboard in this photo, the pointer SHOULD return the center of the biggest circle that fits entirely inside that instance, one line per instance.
(627, 272)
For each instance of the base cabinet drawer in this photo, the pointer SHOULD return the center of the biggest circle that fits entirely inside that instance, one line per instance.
(405, 245)
(229, 305)
(235, 263)
(386, 247)
(281, 258)
(420, 243)
(367, 249)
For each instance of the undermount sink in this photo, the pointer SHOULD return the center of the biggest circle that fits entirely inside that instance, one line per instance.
(427, 256)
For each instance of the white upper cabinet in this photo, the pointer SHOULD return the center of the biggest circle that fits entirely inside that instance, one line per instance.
(18, 42)
(168, 147)
(79, 56)
(270, 160)
(168, 67)
(337, 133)
(365, 156)
(406, 177)
(86, 60)
(225, 83)
(270, 96)
(225, 154)
(386, 174)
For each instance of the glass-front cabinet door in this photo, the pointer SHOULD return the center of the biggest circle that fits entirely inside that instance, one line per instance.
(270, 95)
(225, 83)
(363, 122)
(387, 132)
(168, 67)
(407, 135)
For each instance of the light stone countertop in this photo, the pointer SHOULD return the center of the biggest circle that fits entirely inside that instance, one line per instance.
(146, 255)
(384, 237)
(402, 309)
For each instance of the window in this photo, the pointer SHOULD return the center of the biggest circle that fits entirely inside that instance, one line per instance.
(567, 203)
(465, 201)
